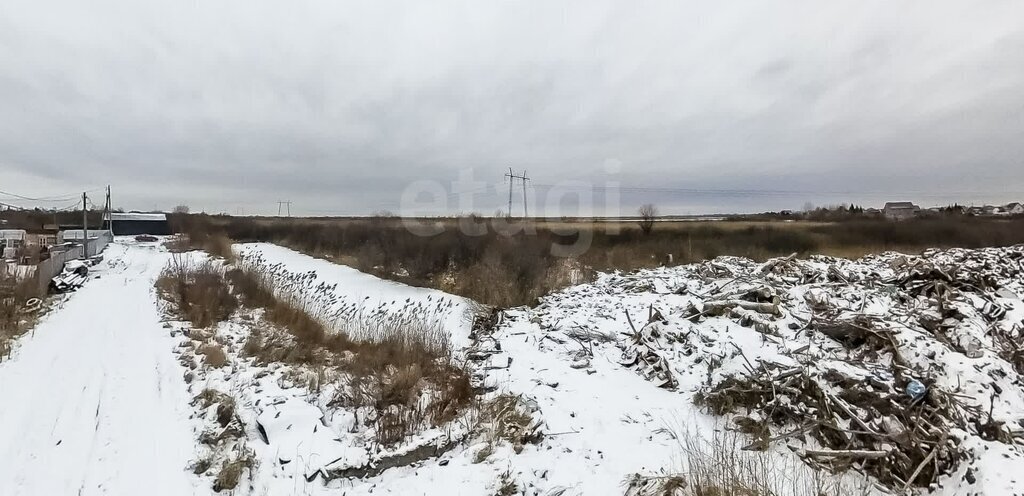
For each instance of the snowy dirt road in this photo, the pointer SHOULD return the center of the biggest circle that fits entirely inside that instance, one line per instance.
(93, 401)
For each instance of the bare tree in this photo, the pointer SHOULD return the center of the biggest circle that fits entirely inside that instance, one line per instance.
(181, 209)
(647, 212)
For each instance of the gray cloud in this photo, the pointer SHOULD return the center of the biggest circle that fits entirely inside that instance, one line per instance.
(339, 106)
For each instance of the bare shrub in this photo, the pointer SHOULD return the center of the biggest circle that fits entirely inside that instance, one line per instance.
(178, 244)
(455, 261)
(219, 245)
(648, 213)
(509, 272)
(718, 466)
(197, 291)
(214, 242)
(16, 317)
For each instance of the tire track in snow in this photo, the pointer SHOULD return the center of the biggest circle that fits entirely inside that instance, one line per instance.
(94, 401)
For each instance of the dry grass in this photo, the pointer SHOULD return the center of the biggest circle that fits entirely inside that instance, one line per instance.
(507, 485)
(400, 370)
(225, 441)
(15, 316)
(231, 471)
(225, 404)
(310, 341)
(197, 290)
(514, 266)
(203, 464)
(718, 466)
(213, 355)
(216, 244)
(509, 420)
(506, 418)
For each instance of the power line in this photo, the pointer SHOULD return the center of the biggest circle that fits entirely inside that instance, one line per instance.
(46, 199)
(41, 199)
(768, 192)
(73, 206)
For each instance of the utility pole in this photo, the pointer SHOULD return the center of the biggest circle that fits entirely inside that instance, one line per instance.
(287, 204)
(85, 227)
(510, 176)
(524, 178)
(511, 180)
(106, 213)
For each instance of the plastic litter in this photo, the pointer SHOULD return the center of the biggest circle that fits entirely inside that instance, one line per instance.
(915, 389)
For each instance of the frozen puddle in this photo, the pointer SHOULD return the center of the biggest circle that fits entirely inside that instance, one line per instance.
(93, 400)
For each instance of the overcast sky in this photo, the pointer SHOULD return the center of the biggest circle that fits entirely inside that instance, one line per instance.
(342, 106)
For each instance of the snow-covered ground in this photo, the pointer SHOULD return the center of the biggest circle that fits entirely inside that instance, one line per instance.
(92, 402)
(959, 352)
(603, 422)
(607, 415)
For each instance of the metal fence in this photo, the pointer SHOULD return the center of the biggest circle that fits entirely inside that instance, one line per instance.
(49, 268)
(97, 245)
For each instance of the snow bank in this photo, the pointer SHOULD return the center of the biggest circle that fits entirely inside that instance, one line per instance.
(348, 294)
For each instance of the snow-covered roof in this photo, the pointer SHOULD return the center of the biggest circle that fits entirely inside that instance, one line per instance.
(121, 216)
(77, 234)
(12, 234)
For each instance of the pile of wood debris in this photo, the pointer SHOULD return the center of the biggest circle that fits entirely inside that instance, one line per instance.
(905, 368)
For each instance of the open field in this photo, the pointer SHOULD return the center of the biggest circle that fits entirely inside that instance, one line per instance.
(281, 373)
(468, 255)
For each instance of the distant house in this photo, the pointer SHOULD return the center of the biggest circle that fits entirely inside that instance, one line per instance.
(1014, 208)
(900, 210)
(12, 238)
(42, 236)
(133, 223)
(40, 239)
(992, 210)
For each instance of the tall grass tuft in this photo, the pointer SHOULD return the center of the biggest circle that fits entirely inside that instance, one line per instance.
(718, 466)
(197, 290)
(398, 370)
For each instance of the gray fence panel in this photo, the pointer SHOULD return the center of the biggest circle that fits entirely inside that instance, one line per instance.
(49, 268)
(97, 245)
